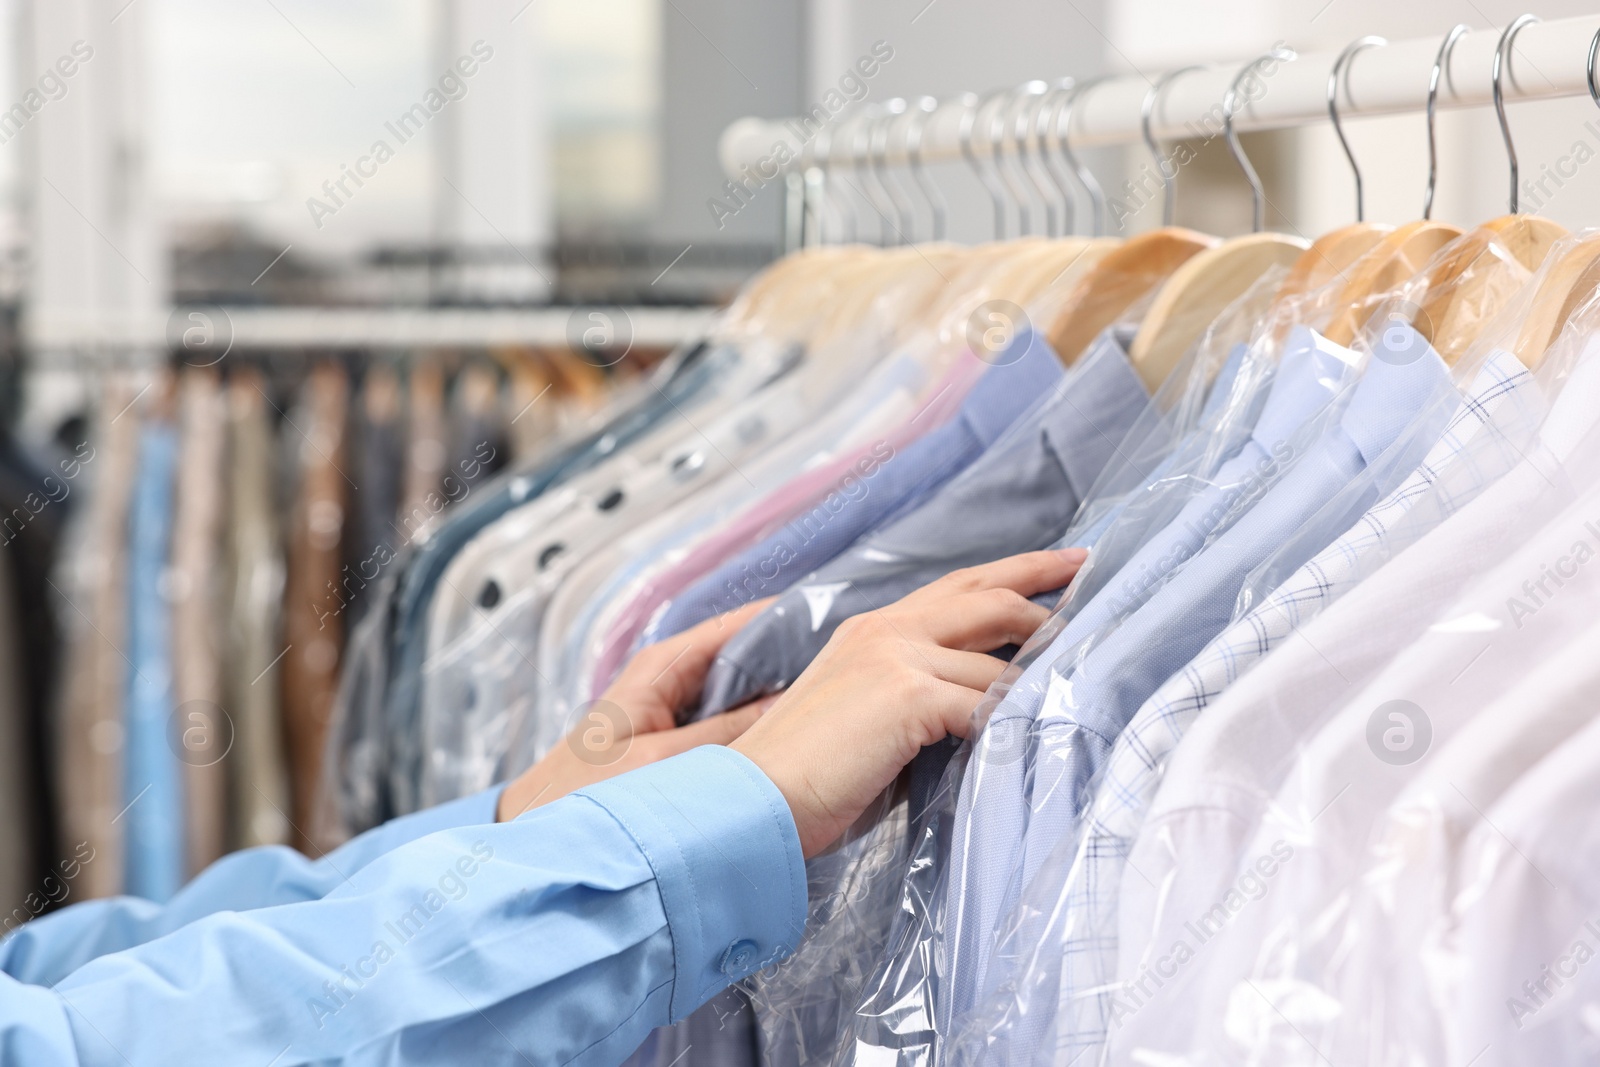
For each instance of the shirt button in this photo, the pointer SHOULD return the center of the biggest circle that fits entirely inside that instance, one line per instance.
(738, 958)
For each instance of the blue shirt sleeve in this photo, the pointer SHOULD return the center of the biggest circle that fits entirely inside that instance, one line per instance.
(48, 949)
(564, 936)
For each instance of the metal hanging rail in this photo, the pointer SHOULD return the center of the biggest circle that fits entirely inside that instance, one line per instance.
(1549, 60)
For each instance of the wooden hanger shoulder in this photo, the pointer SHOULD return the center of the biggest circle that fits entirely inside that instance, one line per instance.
(1197, 293)
(1471, 281)
(1330, 256)
(1398, 256)
(1566, 284)
(1121, 276)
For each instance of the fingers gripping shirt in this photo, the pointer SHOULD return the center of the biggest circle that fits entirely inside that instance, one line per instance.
(991, 812)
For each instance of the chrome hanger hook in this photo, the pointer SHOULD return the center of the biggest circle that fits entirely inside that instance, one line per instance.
(865, 123)
(1169, 185)
(849, 221)
(1230, 107)
(1441, 67)
(1031, 102)
(1334, 77)
(926, 107)
(1496, 74)
(997, 195)
(1044, 123)
(1097, 195)
(1589, 73)
(997, 153)
(904, 209)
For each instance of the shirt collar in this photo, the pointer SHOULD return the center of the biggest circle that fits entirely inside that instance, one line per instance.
(1018, 375)
(1311, 373)
(1222, 387)
(1405, 379)
(1097, 405)
(1577, 405)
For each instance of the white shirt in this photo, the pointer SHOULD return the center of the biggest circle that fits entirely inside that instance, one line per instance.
(1404, 962)
(1480, 647)
(1530, 916)
(1187, 855)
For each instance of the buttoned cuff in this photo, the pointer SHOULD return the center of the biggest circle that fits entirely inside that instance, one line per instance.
(726, 856)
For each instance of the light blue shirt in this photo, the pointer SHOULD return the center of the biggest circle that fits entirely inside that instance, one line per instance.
(563, 936)
(992, 810)
(1405, 399)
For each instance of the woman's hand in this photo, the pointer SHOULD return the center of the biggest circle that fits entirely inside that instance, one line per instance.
(634, 721)
(891, 681)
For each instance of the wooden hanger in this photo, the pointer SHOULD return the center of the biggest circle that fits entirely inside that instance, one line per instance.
(1458, 302)
(1121, 276)
(1330, 256)
(1197, 292)
(1567, 283)
(1398, 256)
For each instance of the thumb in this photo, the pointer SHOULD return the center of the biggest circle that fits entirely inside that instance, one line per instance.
(666, 677)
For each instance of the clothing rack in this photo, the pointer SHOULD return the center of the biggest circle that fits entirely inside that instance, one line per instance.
(335, 328)
(1548, 60)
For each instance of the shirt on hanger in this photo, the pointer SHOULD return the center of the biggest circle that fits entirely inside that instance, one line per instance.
(1339, 783)
(1082, 941)
(993, 792)
(1093, 407)
(1090, 698)
(1231, 762)
(1528, 930)
(825, 519)
(93, 583)
(1402, 924)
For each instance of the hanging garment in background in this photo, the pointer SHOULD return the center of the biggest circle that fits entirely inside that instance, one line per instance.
(35, 502)
(258, 765)
(19, 805)
(376, 445)
(384, 663)
(477, 433)
(531, 405)
(152, 786)
(93, 585)
(426, 449)
(313, 629)
(202, 730)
